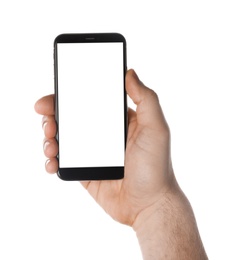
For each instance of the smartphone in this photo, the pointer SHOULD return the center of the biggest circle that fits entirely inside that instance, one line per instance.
(90, 105)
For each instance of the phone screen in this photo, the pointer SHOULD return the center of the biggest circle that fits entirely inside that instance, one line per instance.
(91, 104)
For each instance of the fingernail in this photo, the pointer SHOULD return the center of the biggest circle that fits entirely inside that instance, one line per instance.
(44, 126)
(47, 161)
(46, 143)
(135, 75)
(44, 122)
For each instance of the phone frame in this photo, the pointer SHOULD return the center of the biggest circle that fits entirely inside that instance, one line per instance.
(89, 173)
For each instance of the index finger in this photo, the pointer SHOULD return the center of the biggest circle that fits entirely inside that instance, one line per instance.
(46, 105)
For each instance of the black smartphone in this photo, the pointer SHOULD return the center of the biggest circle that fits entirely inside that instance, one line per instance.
(90, 105)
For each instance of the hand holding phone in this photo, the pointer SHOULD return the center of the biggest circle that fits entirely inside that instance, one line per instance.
(149, 193)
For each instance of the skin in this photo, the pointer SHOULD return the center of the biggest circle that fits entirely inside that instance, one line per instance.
(149, 198)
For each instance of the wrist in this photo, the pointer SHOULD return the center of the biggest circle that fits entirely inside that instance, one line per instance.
(168, 229)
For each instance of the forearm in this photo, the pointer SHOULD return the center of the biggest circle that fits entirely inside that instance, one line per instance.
(168, 230)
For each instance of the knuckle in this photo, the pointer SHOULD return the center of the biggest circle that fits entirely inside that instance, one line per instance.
(153, 94)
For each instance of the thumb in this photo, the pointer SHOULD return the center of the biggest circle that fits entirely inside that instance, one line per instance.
(149, 112)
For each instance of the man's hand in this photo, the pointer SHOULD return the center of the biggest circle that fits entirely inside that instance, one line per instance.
(149, 185)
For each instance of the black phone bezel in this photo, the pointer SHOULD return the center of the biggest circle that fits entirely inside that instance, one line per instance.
(89, 173)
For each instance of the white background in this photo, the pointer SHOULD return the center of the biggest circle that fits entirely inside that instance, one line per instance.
(190, 53)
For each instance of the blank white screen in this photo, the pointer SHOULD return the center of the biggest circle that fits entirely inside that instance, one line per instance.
(91, 104)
